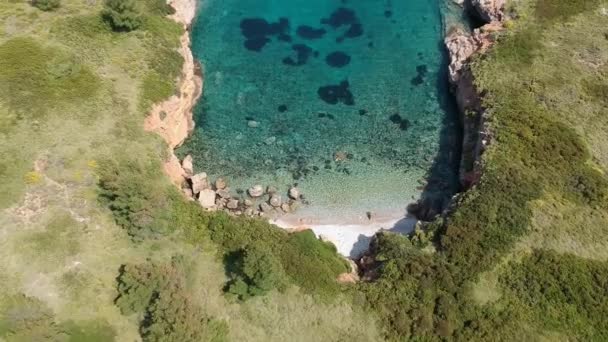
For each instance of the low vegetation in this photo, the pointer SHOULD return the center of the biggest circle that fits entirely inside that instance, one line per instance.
(88, 217)
(46, 5)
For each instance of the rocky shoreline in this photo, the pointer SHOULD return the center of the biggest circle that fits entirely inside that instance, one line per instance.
(462, 46)
(172, 119)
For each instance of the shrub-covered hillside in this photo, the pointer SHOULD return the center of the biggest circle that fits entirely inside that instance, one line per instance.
(97, 245)
(523, 255)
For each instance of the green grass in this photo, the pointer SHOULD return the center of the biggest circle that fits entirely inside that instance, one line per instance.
(35, 79)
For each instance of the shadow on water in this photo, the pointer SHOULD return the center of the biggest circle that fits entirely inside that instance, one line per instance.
(442, 178)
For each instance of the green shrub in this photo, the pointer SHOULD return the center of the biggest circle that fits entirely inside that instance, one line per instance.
(46, 5)
(563, 291)
(160, 293)
(159, 7)
(257, 271)
(122, 15)
(138, 195)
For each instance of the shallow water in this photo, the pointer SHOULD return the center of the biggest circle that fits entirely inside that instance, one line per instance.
(343, 98)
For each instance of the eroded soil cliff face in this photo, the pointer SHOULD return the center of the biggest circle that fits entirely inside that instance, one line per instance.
(172, 119)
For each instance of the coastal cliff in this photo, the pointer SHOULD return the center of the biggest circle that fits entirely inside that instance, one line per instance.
(462, 46)
(172, 119)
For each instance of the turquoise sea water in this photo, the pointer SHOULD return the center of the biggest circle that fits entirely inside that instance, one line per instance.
(346, 99)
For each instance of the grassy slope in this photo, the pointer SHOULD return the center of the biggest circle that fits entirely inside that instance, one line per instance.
(73, 96)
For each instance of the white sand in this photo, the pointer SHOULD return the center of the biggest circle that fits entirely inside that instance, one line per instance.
(352, 240)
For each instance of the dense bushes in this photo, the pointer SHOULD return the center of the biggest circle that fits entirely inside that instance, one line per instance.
(46, 5)
(147, 206)
(565, 292)
(139, 197)
(122, 15)
(159, 293)
(256, 271)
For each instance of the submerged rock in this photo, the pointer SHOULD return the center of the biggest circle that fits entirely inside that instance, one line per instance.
(275, 200)
(337, 59)
(333, 94)
(256, 191)
(294, 193)
(220, 184)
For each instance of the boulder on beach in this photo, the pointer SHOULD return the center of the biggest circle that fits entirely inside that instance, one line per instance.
(256, 191)
(188, 165)
(265, 208)
(232, 204)
(224, 193)
(207, 198)
(199, 182)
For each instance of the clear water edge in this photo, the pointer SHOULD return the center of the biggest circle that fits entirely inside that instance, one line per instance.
(385, 163)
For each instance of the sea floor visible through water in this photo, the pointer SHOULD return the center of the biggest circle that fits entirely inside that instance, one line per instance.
(345, 99)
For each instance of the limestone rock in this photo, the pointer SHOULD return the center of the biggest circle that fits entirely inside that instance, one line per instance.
(188, 165)
(248, 203)
(294, 193)
(271, 190)
(461, 45)
(252, 124)
(489, 10)
(265, 208)
(220, 184)
(256, 191)
(224, 193)
(232, 204)
(275, 200)
(188, 193)
(199, 182)
(207, 198)
(285, 207)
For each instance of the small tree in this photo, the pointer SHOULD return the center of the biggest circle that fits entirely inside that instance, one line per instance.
(46, 5)
(259, 272)
(122, 15)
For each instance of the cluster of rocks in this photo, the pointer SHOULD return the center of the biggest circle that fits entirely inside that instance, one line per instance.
(257, 201)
